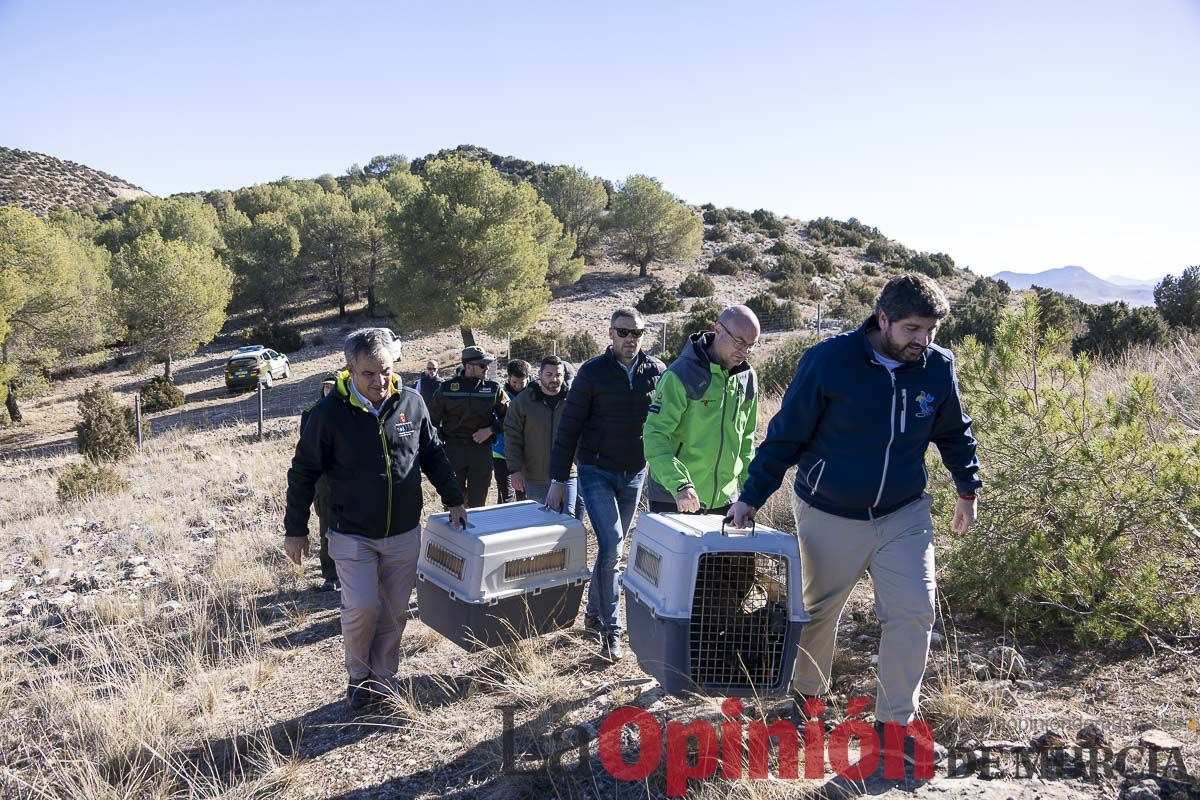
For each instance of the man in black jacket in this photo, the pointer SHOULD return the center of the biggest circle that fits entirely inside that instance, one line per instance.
(429, 381)
(468, 412)
(605, 411)
(371, 439)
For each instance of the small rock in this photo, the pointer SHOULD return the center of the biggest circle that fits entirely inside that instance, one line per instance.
(936, 639)
(7, 585)
(52, 575)
(74, 547)
(133, 561)
(1047, 739)
(1143, 790)
(1031, 686)
(1006, 662)
(874, 661)
(140, 571)
(170, 607)
(65, 601)
(1159, 740)
(1090, 735)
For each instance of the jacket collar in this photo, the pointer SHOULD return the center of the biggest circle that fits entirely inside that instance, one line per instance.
(638, 360)
(698, 352)
(347, 396)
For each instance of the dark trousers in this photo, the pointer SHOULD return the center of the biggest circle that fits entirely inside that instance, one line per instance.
(321, 503)
(504, 489)
(663, 507)
(473, 466)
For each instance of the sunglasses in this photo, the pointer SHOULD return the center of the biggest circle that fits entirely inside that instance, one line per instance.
(623, 332)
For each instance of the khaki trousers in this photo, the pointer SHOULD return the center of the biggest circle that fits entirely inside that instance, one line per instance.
(377, 576)
(897, 550)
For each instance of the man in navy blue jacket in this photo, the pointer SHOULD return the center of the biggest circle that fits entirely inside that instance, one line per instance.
(856, 421)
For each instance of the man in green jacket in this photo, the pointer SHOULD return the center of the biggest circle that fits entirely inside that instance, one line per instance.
(699, 434)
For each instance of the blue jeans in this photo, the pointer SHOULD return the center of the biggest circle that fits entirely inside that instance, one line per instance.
(611, 498)
(537, 491)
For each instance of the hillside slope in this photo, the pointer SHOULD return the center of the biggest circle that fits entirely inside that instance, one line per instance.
(38, 182)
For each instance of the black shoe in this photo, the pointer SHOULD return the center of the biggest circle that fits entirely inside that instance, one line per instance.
(361, 695)
(801, 712)
(591, 623)
(329, 586)
(611, 648)
(909, 753)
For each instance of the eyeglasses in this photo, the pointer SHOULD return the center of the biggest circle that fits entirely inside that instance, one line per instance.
(739, 341)
(623, 332)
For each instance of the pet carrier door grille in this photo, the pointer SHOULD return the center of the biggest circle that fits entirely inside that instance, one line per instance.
(739, 620)
(444, 559)
(554, 561)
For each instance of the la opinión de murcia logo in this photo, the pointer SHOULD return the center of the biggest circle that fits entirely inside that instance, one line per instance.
(633, 744)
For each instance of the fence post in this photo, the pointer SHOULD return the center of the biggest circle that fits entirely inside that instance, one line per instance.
(554, 347)
(819, 322)
(260, 412)
(508, 345)
(664, 339)
(137, 417)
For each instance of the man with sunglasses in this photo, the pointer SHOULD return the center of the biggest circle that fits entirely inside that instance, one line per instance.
(602, 425)
(699, 434)
(429, 382)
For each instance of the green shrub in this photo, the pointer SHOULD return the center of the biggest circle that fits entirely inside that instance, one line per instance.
(850, 233)
(935, 265)
(1091, 502)
(702, 317)
(741, 252)
(870, 270)
(781, 248)
(159, 394)
(724, 266)
(535, 344)
(978, 314)
(790, 265)
(1113, 328)
(880, 250)
(854, 302)
(714, 216)
(775, 315)
(275, 336)
(718, 233)
(777, 371)
(657, 299)
(822, 264)
(105, 431)
(697, 285)
(81, 481)
(798, 287)
(769, 223)
(743, 218)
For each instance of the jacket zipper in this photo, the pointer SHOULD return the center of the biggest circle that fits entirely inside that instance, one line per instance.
(721, 443)
(387, 461)
(903, 408)
(887, 453)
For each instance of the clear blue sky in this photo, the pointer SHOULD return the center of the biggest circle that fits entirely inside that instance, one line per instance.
(1015, 135)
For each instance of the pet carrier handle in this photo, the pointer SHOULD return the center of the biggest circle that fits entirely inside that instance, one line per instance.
(751, 528)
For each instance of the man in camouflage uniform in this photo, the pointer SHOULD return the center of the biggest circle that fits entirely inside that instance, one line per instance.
(468, 411)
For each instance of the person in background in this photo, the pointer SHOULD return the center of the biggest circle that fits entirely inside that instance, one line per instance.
(468, 410)
(371, 438)
(321, 502)
(699, 434)
(529, 430)
(429, 381)
(518, 379)
(602, 424)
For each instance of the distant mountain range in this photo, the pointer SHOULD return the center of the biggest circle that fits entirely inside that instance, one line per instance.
(1079, 283)
(38, 182)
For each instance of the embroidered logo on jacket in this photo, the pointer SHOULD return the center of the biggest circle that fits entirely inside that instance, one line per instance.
(925, 401)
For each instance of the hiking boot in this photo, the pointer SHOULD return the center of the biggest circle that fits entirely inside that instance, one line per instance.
(591, 623)
(361, 694)
(611, 648)
(329, 586)
(909, 753)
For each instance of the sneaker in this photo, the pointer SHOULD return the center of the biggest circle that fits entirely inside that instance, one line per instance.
(329, 586)
(361, 695)
(611, 647)
(591, 623)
